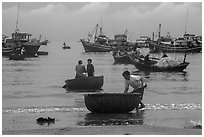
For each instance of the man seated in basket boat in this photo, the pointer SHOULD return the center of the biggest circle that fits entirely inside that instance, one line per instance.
(137, 83)
(80, 70)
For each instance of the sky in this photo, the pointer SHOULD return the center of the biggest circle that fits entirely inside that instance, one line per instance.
(71, 21)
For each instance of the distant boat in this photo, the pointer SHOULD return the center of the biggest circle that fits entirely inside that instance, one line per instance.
(99, 44)
(111, 102)
(85, 84)
(65, 46)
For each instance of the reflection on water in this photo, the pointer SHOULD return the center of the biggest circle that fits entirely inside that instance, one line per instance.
(94, 119)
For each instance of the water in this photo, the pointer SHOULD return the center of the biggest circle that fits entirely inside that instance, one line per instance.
(33, 89)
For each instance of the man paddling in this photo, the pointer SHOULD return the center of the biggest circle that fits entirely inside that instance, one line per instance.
(135, 82)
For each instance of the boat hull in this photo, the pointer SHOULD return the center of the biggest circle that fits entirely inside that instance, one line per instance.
(85, 84)
(31, 49)
(95, 47)
(9, 51)
(122, 59)
(111, 102)
(167, 49)
(145, 67)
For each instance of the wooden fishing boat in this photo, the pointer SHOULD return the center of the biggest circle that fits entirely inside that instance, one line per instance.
(85, 83)
(98, 44)
(184, 49)
(140, 64)
(112, 102)
(95, 47)
(122, 59)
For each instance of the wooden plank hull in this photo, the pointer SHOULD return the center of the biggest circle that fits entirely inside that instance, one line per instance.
(111, 102)
(85, 84)
(95, 47)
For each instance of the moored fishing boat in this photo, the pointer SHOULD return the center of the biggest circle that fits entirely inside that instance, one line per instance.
(85, 83)
(172, 48)
(99, 43)
(157, 65)
(111, 102)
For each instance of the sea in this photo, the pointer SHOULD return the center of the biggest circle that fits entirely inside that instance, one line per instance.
(33, 88)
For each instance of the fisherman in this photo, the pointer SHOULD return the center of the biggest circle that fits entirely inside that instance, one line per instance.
(90, 68)
(135, 82)
(80, 70)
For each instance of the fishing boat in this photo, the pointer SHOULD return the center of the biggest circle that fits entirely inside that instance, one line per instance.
(99, 43)
(184, 49)
(155, 64)
(85, 83)
(112, 102)
(23, 40)
(121, 58)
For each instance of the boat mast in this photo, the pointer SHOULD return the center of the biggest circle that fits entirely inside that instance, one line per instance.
(17, 18)
(159, 31)
(186, 21)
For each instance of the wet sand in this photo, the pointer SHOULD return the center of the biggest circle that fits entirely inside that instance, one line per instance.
(108, 130)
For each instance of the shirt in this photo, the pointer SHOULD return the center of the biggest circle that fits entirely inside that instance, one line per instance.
(134, 82)
(80, 69)
(90, 69)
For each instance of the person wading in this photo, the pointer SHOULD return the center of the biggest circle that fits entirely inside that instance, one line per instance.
(137, 83)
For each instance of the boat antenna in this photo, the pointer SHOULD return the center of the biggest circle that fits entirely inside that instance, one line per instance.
(17, 17)
(186, 20)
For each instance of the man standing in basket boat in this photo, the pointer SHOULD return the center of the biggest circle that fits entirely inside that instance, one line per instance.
(80, 69)
(90, 68)
(135, 82)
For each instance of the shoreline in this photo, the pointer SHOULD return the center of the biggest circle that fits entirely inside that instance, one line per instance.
(107, 130)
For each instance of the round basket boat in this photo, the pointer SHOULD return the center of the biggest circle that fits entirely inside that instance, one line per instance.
(86, 83)
(111, 102)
